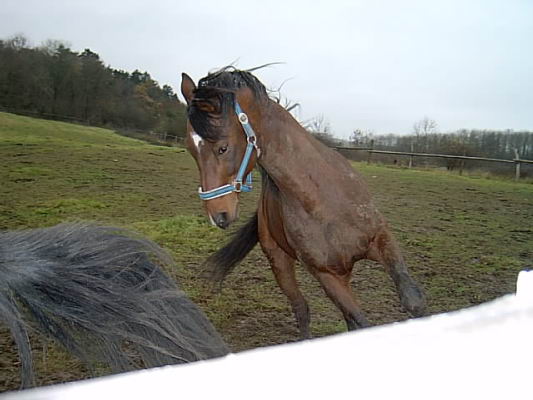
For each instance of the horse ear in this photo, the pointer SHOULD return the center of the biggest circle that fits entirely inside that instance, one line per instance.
(187, 87)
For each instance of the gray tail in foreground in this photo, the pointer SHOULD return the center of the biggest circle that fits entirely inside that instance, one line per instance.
(99, 291)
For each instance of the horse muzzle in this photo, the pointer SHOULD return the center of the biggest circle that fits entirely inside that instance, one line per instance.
(221, 220)
(223, 211)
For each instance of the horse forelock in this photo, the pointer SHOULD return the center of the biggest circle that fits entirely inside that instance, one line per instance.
(218, 88)
(208, 111)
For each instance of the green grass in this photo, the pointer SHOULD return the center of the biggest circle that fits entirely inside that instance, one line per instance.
(464, 238)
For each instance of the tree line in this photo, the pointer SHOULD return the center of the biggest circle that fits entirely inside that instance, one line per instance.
(465, 142)
(52, 80)
(425, 138)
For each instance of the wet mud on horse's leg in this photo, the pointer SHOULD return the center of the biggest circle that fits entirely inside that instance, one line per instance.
(386, 251)
(337, 288)
(283, 268)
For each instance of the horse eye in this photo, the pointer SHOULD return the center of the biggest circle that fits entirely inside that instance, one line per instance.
(222, 149)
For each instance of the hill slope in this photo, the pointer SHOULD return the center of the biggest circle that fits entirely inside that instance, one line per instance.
(54, 171)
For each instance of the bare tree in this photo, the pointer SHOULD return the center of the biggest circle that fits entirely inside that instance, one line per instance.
(17, 42)
(361, 137)
(317, 125)
(320, 128)
(422, 129)
(51, 47)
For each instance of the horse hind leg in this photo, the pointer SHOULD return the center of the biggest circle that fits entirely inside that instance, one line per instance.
(385, 250)
(337, 288)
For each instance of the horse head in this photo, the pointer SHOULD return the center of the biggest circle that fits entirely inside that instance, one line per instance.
(220, 143)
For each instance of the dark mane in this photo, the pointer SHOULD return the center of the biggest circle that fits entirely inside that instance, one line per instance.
(233, 79)
(218, 89)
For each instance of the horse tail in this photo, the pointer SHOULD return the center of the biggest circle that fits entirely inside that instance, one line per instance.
(11, 316)
(100, 292)
(221, 263)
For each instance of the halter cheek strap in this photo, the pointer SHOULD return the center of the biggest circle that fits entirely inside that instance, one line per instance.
(237, 185)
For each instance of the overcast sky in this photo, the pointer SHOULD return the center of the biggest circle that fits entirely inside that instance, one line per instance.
(378, 65)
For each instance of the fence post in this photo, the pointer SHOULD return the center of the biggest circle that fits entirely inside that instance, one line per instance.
(411, 156)
(370, 151)
(517, 164)
(462, 164)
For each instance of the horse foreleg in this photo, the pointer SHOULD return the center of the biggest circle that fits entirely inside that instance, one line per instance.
(337, 288)
(386, 251)
(283, 268)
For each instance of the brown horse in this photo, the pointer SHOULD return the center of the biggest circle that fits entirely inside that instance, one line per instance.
(314, 206)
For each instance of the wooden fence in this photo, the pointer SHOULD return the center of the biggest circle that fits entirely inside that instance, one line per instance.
(165, 137)
(370, 150)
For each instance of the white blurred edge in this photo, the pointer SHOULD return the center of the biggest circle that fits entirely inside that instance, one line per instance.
(479, 352)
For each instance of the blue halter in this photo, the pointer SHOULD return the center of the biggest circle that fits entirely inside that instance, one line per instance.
(237, 185)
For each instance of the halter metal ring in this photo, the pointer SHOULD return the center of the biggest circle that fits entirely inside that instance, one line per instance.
(243, 118)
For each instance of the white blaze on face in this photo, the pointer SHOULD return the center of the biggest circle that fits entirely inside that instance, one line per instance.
(211, 219)
(197, 140)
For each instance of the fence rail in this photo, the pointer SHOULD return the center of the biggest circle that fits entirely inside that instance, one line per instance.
(370, 150)
(165, 137)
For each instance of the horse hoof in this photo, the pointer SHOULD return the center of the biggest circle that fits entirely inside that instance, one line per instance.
(358, 322)
(414, 301)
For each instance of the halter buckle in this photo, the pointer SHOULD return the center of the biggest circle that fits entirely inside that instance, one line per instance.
(253, 141)
(243, 118)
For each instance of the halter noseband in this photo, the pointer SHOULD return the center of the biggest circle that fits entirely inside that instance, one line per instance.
(237, 185)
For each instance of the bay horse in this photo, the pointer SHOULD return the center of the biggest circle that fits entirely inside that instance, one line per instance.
(314, 207)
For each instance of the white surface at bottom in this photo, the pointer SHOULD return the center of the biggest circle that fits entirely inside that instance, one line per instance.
(484, 352)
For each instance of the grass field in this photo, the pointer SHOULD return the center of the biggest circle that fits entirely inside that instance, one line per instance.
(464, 238)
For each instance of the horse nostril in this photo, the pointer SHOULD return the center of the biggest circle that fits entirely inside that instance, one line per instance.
(221, 219)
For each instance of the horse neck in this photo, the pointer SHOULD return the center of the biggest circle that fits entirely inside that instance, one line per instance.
(290, 156)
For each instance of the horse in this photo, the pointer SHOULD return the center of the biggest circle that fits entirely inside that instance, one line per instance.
(99, 292)
(314, 207)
